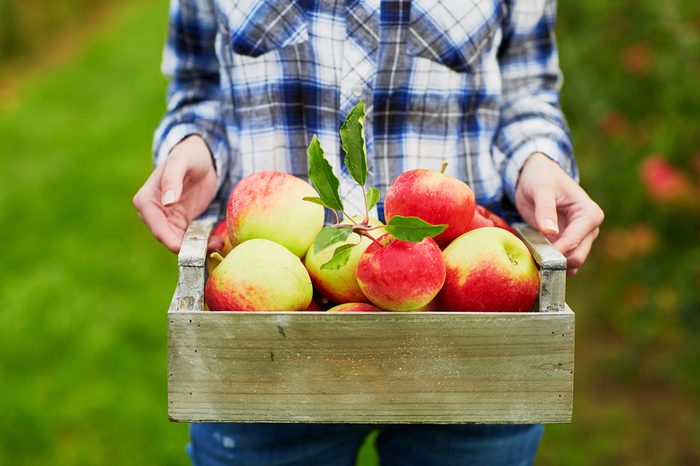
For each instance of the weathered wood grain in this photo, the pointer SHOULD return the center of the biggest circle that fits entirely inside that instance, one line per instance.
(193, 252)
(189, 293)
(544, 253)
(552, 265)
(371, 368)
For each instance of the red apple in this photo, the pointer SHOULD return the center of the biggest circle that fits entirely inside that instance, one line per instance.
(221, 231)
(433, 197)
(313, 307)
(483, 217)
(259, 275)
(270, 205)
(489, 269)
(400, 275)
(664, 182)
(354, 307)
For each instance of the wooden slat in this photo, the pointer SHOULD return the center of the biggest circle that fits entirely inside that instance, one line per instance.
(371, 368)
(552, 265)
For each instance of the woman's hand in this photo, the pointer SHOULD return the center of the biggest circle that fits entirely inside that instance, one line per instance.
(177, 191)
(548, 199)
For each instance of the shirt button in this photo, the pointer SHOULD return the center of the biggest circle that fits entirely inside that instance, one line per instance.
(357, 90)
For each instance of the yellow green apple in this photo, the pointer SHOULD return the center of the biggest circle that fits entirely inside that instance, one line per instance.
(270, 205)
(259, 275)
(340, 285)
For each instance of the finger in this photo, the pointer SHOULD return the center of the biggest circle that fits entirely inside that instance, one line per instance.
(571, 272)
(584, 222)
(146, 195)
(160, 226)
(172, 180)
(578, 256)
(545, 201)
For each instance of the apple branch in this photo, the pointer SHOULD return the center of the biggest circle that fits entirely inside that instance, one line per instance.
(321, 174)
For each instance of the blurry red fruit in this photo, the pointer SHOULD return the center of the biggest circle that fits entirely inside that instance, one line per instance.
(663, 182)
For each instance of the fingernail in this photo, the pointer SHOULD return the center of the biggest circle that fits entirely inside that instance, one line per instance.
(168, 198)
(550, 225)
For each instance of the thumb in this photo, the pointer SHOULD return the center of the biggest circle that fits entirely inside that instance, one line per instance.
(546, 209)
(172, 180)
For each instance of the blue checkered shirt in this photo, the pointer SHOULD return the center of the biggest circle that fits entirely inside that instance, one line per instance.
(471, 82)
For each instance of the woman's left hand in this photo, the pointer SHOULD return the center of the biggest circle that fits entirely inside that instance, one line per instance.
(551, 201)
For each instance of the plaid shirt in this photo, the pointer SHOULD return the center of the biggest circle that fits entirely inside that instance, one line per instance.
(471, 82)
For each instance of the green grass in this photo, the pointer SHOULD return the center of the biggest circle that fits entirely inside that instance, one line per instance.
(84, 287)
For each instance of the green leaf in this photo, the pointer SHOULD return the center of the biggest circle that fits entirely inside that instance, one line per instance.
(372, 197)
(321, 175)
(341, 255)
(330, 235)
(412, 228)
(352, 136)
(316, 200)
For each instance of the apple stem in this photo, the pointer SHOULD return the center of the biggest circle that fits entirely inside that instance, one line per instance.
(365, 232)
(444, 167)
(350, 218)
(337, 218)
(215, 255)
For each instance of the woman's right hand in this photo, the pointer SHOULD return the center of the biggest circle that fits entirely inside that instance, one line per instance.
(178, 191)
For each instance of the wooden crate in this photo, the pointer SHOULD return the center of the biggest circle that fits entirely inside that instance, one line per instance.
(391, 367)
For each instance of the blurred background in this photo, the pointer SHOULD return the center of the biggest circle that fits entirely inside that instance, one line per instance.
(84, 287)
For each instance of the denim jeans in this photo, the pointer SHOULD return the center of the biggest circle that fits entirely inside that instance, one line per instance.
(337, 444)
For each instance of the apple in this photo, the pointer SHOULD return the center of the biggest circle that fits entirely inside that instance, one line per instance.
(313, 307)
(270, 205)
(431, 306)
(340, 285)
(259, 275)
(489, 269)
(221, 231)
(354, 307)
(483, 217)
(663, 181)
(433, 197)
(400, 275)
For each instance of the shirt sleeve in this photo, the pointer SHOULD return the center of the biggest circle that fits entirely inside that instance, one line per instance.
(531, 119)
(194, 95)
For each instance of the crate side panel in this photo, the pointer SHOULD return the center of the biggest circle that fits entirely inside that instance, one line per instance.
(405, 368)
